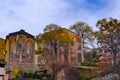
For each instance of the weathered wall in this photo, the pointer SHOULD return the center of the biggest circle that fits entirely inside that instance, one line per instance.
(20, 52)
(21, 49)
(23, 67)
(2, 48)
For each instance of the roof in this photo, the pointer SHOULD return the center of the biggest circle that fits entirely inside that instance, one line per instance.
(21, 32)
(72, 32)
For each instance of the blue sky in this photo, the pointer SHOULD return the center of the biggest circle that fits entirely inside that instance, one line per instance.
(34, 15)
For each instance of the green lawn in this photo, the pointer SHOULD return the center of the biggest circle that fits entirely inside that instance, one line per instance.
(87, 67)
(85, 76)
(85, 71)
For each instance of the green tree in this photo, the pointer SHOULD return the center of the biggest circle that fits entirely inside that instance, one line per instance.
(39, 42)
(55, 36)
(51, 27)
(86, 32)
(39, 48)
(108, 36)
(90, 55)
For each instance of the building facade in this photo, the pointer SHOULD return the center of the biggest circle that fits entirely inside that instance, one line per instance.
(2, 48)
(2, 56)
(21, 53)
(20, 50)
(72, 54)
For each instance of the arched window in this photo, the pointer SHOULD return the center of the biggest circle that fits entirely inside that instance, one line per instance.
(21, 48)
(12, 48)
(21, 44)
(13, 45)
(29, 46)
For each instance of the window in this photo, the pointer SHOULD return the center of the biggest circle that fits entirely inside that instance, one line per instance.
(79, 57)
(79, 46)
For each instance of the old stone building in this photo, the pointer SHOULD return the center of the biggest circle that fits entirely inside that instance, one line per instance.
(20, 51)
(72, 54)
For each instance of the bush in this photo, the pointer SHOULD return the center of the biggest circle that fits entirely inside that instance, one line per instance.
(30, 74)
(93, 64)
(85, 76)
(36, 75)
(87, 64)
(72, 73)
(25, 75)
(16, 72)
(84, 64)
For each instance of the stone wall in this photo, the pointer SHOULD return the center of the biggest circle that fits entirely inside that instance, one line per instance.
(22, 66)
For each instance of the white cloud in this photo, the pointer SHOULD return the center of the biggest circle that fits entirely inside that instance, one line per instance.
(91, 17)
(34, 15)
(31, 15)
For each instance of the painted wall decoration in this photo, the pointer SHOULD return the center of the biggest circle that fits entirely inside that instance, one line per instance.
(12, 48)
(21, 49)
(61, 54)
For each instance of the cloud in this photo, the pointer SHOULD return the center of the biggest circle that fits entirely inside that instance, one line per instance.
(91, 16)
(34, 15)
(31, 15)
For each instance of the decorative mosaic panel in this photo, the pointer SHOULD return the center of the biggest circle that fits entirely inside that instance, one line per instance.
(21, 49)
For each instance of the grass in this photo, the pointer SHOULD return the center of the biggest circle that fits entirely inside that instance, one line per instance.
(87, 67)
(85, 71)
(85, 76)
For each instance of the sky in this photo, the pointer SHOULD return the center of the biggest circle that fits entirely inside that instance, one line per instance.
(34, 15)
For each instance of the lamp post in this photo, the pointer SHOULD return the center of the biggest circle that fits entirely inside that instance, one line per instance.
(89, 69)
(89, 64)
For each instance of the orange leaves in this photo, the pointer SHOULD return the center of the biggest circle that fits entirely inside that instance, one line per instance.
(74, 38)
(93, 73)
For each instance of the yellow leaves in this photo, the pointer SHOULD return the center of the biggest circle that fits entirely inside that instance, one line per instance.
(62, 35)
(16, 72)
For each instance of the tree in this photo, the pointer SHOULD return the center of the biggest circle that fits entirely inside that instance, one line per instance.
(90, 55)
(85, 31)
(39, 49)
(51, 27)
(108, 36)
(57, 37)
(54, 36)
(38, 41)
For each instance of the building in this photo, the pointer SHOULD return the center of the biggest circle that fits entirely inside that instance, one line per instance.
(73, 54)
(20, 51)
(60, 53)
(2, 56)
(2, 52)
(2, 48)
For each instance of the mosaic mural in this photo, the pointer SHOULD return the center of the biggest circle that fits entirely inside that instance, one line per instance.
(21, 49)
